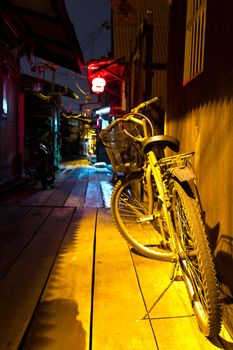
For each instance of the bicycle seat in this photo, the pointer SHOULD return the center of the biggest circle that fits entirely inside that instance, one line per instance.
(161, 141)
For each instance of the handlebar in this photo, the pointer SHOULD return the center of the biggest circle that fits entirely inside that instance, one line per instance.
(133, 116)
(144, 104)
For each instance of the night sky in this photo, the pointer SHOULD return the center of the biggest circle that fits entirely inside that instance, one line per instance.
(87, 17)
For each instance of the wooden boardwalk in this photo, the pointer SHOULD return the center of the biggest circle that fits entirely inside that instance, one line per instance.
(69, 281)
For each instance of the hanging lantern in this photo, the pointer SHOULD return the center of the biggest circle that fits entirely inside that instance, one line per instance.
(98, 85)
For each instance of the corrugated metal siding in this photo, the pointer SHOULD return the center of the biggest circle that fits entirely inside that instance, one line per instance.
(123, 37)
(125, 31)
(160, 27)
(159, 86)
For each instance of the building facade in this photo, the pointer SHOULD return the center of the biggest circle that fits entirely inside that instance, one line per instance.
(140, 35)
(10, 121)
(32, 30)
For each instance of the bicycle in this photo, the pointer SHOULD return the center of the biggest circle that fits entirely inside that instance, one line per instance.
(157, 209)
(40, 167)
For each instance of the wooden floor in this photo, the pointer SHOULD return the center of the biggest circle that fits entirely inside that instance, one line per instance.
(69, 281)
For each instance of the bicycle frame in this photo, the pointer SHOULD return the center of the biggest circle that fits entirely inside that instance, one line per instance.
(152, 169)
(157, 209)
(163, 195)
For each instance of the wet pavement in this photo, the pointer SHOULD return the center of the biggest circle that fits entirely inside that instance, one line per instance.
(69, 281)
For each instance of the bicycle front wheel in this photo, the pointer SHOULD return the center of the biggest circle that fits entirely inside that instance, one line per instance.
(196, 261)
(141, 229)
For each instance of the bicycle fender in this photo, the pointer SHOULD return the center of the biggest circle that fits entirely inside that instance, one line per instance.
(183, 173)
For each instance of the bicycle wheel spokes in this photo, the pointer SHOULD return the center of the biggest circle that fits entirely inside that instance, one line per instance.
(195, 285)
(188, 260)
(196, 262)
(133, 210)
(131, 204)
(140, 228)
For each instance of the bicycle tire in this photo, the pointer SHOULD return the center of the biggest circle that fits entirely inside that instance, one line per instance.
(129, 208)
(196, 261)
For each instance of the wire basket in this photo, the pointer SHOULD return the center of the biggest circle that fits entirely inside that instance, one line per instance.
(125, 153)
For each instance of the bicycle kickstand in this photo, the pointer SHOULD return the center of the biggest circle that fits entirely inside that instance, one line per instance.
(172, 279)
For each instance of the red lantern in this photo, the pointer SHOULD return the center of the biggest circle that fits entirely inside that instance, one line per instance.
(98, 84)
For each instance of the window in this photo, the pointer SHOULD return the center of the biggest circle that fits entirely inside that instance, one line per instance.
(195, 39)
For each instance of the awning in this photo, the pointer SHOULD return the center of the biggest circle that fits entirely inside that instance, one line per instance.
(30, 84)
(41, 28)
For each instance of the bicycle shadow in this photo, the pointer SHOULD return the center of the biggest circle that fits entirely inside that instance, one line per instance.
(222, 249)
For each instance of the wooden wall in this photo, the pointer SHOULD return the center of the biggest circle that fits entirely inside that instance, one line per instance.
(200, 114)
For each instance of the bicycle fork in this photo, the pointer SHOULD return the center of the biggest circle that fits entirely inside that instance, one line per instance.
(163, 196)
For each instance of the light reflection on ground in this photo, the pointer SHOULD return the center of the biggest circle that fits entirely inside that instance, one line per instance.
(103, 171)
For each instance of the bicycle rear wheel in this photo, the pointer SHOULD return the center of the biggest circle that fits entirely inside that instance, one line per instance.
(196, 261)
(141, 229)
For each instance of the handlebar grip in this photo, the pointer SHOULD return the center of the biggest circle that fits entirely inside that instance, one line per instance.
(155, 99)
(144, 104)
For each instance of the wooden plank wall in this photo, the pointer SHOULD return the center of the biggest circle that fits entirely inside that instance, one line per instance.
(208, 130)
